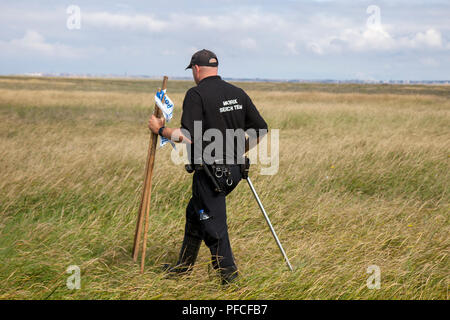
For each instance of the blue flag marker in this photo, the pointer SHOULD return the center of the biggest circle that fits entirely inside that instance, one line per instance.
(166, 105)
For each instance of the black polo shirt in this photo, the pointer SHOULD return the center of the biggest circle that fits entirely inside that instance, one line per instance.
(222, 109)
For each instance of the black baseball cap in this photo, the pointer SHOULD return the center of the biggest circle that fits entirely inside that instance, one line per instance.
(203, 58)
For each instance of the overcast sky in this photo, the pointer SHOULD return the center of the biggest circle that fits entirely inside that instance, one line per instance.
(296, 39)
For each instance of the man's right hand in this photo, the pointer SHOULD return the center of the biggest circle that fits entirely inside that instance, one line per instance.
(154, 123)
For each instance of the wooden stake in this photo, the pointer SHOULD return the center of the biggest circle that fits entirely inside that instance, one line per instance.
(144, 208)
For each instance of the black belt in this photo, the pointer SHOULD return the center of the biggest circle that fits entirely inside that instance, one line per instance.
(216, 171)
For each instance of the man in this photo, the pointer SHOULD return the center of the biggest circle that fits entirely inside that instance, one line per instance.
(212, 108)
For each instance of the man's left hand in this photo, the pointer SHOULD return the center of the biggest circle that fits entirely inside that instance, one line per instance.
(155, 123)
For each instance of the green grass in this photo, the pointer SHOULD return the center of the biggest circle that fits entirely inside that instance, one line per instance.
(362, 180)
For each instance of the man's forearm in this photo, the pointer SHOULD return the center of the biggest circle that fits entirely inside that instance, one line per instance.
(175, 135)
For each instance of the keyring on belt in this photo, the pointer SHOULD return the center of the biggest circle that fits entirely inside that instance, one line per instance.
(217, 171)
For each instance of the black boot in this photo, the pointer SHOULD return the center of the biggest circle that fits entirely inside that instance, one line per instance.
(174, 270)
(228, 274)
(188, 255)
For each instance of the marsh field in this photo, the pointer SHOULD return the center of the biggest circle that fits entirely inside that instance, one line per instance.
(363, 180)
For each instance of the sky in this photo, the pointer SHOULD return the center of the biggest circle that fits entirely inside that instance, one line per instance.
(291, 39)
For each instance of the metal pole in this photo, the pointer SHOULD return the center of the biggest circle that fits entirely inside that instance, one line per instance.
(268, 223)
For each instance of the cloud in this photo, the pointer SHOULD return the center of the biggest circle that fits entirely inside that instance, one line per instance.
(430, 38)
(321, 33)
(34, 43)
(376, 39)
(124, 21)
(291, 48)
(315, 47)
(429, 62)
(248, 43)
(237, 20)
(331, 37)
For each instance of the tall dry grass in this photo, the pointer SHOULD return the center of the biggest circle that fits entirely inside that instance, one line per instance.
(363, 180)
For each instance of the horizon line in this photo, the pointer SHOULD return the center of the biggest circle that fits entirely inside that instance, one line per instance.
(189, 78)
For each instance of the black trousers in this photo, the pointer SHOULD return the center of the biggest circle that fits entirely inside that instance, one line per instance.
(214, 230)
